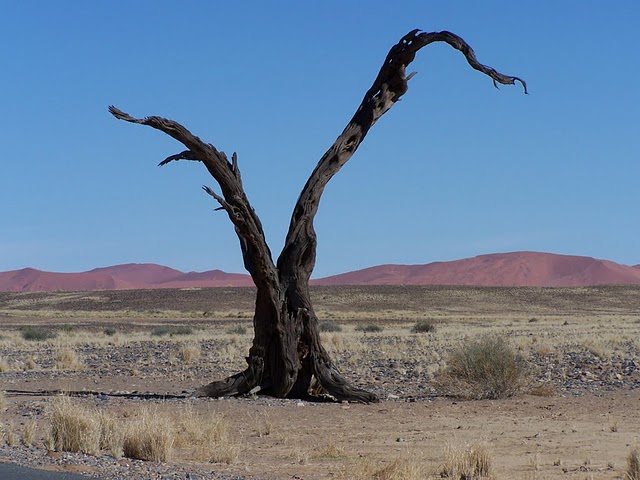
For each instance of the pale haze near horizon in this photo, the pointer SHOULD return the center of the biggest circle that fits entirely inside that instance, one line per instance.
(456, 169)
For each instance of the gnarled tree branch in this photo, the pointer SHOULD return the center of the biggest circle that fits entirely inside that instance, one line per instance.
(390, 84)
(185, 155)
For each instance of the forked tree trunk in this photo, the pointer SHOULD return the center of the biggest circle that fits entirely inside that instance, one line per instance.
(287, 353)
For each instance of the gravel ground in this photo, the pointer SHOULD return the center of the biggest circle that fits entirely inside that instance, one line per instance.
(141, 366)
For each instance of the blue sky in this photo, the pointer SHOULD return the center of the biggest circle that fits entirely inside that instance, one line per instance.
(456, 169)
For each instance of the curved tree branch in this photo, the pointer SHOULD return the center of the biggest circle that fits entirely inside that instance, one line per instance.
(186, 155)
(299, 252)
(255, 252)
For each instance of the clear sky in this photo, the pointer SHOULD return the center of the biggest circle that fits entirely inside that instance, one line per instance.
(456, 169)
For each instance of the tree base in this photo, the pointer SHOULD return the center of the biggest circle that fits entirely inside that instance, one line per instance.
(328, 383)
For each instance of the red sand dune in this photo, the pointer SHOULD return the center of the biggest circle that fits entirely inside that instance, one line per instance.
(520, 269)
(118, 277)
(31, 280)
(212, 278)
(502, 269)
(140, 273)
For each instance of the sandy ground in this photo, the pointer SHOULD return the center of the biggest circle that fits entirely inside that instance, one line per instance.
(528, 437)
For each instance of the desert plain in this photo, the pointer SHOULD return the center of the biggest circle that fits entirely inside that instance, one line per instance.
(138, 354)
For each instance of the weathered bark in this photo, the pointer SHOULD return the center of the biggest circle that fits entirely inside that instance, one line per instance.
(287, 353)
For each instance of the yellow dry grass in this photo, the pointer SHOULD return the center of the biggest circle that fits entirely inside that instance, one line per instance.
(74, 428)
(207, 436)
(398, 469)
(149, 437)
(633, 465)
(151, 433)
(469, 462)
(189, 354)
(68, 359)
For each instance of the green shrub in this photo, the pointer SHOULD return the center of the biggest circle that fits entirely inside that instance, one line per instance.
(330, 326)
(484, 367)
(237, 330)
(369, 328)
(68, 329)
(110, 331)
(171, 330)
(37, 334)
(424, 326)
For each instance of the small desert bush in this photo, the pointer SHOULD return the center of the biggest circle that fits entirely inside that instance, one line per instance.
(470, 463)
(369, 328)
(633, 465)
(483, 367)
(74, 428)
(109, 331)
(67, 359)
(68, 329)
(237, 330)
(150, 437)
(37, 334)
(424, 326)
(189, 354)
(3, 401)
(171, 330)
(330, 326)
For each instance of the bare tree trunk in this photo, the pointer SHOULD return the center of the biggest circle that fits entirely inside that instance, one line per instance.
(287, 353)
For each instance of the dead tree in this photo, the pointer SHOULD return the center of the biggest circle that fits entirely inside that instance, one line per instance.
(287, 355)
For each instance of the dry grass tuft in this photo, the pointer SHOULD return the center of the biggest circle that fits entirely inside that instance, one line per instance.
(469, 463)
(189, 354)
(208, 435)
(3, 401)
(150, 437)
(263, 426)
(30, 364)
(484, 367)
(10, 434)
(4, 366)
(67, 359)
(633, 465)
(111, 434)
(29, 433)
(331, 450)
(74, 428)
(542, 390)
(399, 469)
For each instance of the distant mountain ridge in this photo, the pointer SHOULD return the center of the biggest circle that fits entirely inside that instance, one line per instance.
(516, 269)
(118, 277)
(531, 269)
